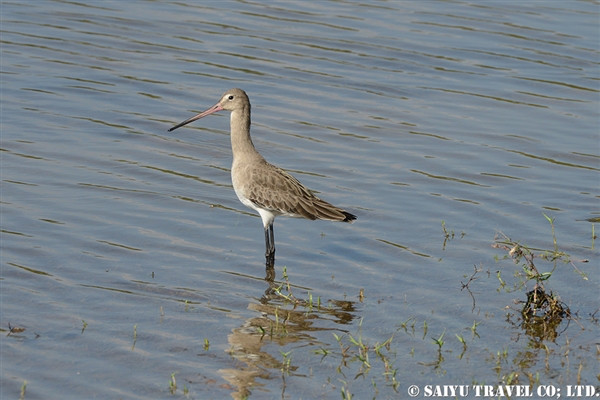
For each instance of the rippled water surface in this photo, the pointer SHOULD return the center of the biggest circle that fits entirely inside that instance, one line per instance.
(131, 270)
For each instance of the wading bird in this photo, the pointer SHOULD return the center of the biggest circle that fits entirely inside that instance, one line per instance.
(261, 186)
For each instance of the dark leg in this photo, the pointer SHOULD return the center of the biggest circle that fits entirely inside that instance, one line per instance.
(272, 242)
(270, 246)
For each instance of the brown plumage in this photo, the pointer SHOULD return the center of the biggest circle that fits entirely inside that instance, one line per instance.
(260, 185)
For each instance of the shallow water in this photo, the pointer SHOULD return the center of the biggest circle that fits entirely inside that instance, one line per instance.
(127, 258)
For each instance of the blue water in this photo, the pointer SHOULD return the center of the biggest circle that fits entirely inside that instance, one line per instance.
(124, 246)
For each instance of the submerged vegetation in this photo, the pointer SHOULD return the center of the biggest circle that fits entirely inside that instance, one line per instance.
(532, 345)
(359, 363)
(542, 310)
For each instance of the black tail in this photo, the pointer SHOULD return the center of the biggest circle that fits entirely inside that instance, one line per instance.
(349, 217)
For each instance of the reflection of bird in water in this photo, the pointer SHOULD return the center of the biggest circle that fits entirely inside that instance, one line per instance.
(282, 327)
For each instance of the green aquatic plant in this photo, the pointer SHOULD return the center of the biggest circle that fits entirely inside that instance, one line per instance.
(173, 383)
(540, 302)
(404, 325)
(287, 360)
(449, 235)
(525, 256)
(356, 352)
(23, 390)
(474, 328)
(439, 341)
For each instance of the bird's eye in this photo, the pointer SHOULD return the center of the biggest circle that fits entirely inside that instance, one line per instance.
(230, 97)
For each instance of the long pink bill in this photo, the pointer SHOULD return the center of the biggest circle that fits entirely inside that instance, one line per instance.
(213, 109)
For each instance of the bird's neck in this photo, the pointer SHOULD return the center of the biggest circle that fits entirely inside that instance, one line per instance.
(241, 143)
